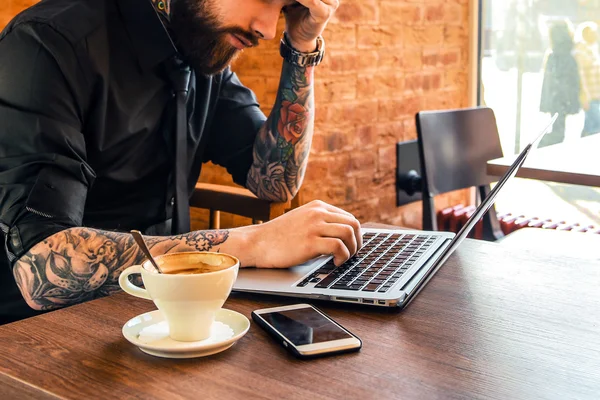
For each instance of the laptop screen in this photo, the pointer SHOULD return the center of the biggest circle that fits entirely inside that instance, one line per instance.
(485, 205)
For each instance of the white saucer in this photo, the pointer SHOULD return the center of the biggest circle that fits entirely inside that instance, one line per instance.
(150, 333)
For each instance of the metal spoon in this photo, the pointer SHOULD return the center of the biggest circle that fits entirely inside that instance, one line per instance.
(139, 239)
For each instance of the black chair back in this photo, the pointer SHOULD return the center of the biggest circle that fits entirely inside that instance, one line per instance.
(453, 149)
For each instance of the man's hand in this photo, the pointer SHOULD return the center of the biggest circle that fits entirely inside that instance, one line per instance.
(307, 232)
(306, 20)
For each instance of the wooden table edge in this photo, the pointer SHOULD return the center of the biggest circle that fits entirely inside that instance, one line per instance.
(498, 167)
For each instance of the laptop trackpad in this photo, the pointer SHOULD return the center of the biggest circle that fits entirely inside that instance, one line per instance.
(273, 279)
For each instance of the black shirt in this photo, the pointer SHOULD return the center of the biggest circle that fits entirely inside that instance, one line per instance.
(86, 118)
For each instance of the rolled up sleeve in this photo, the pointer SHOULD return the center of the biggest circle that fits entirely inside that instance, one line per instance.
(235, 125)
(44, 175)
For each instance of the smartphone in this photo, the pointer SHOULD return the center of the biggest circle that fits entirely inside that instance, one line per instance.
(306, 331)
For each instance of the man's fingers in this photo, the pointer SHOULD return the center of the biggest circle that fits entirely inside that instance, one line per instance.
(335, 247)
(343, 232)
(317, 8)
(337, 215)
(318, 212)
(336, 218)
(333, 214)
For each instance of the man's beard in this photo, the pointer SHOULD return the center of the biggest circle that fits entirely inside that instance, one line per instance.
(200, 37)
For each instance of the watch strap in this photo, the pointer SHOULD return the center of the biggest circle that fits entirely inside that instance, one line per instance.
(299, 58)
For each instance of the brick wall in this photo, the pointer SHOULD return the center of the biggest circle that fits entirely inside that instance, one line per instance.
(386, 60)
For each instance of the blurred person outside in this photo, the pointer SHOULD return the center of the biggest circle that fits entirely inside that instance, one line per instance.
(561, 84)
(588, 59)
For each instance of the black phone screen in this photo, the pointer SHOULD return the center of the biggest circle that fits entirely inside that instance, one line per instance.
(305, 326)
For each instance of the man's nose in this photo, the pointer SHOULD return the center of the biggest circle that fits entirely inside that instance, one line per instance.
(265, 25)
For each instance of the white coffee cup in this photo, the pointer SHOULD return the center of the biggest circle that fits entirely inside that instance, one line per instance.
(193, 287)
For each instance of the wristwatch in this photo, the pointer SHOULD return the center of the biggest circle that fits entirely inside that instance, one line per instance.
(301, 59)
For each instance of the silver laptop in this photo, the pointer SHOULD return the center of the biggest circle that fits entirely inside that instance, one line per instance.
(388, 271)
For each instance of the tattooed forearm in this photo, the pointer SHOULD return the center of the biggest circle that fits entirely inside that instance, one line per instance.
(283, 143)
(202, 240)
(81, 264)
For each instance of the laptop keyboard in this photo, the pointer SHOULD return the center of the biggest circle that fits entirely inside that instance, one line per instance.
(377, 266)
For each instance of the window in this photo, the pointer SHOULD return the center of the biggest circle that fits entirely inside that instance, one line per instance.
(539, 57)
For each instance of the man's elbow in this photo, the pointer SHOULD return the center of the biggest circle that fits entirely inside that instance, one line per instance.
(39, 304)
(275, 197)
(30, 282)
(35, 305)
(276, 193)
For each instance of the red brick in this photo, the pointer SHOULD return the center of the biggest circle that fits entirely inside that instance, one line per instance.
(357, 12)
(451, 57)
(374, 185)
(336, 89)
(363, 161)
(339, 165)
(414, 81)
(390, 132)
(388, 36)
(328, 139)
(387, 157)
(456, 35)
(423, 35)
(434, 13)
(397, 12)
(432, 81)
(413, 216)
(408, 60)
(400, 108)
(316, 169)
(338, 36)
(444, 99)
(259, 62)
(456, 14)
(384, 84)
(342, 192)
(361, 112)
(431, 57)
(410, 128)
(366, 136)
(457, 78)
(365, 210)
(264, 88)
(337, 191)
(347, 63)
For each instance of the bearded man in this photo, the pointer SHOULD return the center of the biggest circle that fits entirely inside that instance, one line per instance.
(108, 108)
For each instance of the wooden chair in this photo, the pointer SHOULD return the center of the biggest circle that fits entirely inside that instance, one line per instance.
(235, 200)
(450, 154)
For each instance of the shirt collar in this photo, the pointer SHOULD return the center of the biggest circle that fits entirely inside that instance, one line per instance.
(150, 38)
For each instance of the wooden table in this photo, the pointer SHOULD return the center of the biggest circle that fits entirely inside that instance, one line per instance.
(572, 163)
(490, 324)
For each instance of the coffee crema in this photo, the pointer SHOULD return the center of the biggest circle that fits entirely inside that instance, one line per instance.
(192, 263)
(200, 269)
